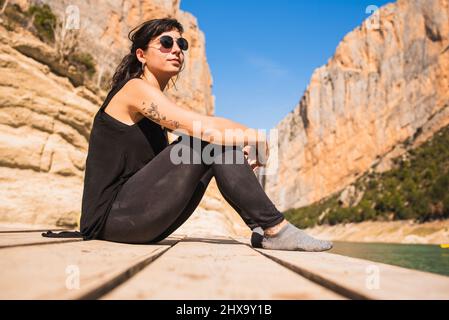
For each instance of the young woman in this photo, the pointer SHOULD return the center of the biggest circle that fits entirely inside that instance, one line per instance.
(133, 190)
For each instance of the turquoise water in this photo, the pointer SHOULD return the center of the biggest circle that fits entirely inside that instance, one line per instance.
(430, 258)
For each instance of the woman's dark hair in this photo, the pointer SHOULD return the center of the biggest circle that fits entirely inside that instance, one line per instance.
(130, 67)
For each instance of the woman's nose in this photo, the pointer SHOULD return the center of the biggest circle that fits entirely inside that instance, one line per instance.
(176, 48)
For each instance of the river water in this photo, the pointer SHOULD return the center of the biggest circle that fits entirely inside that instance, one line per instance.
(430, 258)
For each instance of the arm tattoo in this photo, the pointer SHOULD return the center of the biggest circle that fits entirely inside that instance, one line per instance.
(152, 113)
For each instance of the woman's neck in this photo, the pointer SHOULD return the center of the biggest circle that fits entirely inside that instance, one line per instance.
(159, 83)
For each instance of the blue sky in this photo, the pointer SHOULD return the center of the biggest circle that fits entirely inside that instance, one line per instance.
(262, 53)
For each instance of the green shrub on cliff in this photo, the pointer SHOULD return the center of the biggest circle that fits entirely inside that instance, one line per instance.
(44, 21)
(84, 61)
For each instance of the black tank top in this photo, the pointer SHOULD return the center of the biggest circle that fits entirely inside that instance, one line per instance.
(116, 151)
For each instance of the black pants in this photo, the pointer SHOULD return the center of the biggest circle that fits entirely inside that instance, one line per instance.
(161, 196)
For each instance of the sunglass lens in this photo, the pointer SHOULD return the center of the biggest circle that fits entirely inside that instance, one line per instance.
(166, 42)
(183, 44)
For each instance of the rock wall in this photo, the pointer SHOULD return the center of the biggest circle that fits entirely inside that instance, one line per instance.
(385, 85)
(103, 32)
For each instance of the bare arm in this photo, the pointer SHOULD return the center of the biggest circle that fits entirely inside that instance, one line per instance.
(153, 104)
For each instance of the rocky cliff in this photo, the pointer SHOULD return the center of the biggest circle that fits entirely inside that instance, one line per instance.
(45, 119)
(386, 86)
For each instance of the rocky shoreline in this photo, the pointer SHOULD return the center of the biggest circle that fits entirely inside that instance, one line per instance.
(407, 232)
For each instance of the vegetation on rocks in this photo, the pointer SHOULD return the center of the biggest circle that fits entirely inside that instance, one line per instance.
(77, 65)
(44, 22)
(415, 188)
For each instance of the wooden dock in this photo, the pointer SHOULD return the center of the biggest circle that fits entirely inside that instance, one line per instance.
(186, 267)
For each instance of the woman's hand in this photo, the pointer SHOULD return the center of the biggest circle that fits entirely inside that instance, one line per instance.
(249, 151)
(252, 155)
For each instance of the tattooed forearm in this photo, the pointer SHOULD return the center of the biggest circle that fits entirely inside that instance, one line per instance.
(153, 113)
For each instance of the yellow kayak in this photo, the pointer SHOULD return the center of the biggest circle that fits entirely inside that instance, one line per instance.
(444, 245)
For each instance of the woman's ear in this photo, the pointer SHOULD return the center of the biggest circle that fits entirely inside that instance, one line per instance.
(140, 55)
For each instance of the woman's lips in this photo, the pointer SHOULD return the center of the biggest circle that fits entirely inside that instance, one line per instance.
(175, 60)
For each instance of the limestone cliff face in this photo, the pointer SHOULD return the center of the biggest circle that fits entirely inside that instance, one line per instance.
(45, 121)
(103, 32)
(382, 87)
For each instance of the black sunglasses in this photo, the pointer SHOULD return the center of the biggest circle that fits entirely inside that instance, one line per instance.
(167, 42)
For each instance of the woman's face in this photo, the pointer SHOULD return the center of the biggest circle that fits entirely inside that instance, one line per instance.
(162, 61)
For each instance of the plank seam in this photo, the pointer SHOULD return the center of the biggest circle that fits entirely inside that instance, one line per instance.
(123, 276)
(326, 283)
(322, 281)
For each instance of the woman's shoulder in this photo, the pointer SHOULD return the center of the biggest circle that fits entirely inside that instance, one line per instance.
(135, 86)
(134, 83)
(135, 91)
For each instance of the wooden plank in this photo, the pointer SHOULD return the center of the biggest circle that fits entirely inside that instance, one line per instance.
(362, 279)
(52, 271)
(17, 239)
(217, 269)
